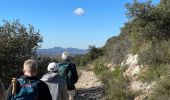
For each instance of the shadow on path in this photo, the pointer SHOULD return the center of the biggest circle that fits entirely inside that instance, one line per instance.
(94, 93)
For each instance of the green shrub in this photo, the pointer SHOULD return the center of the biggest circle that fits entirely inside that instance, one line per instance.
(156, 54)
(99, 67)
(43, 63)
(154, 73)
(18, 43)
(115, 84)
(117, 47)
(162, 89)
(149, 75)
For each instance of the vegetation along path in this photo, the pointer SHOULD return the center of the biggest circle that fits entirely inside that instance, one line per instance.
(88, 86)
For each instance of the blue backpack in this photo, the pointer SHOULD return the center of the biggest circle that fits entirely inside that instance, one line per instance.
(28, 90)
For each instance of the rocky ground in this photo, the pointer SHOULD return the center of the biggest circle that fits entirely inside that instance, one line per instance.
(88, 86)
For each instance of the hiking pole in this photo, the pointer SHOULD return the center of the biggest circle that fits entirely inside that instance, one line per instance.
(14, 85)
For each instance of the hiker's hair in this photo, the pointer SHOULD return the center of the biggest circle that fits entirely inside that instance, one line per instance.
(2, 91)
(65, 55)
(30, 65)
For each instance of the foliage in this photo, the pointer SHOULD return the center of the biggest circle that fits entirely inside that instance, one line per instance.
(150, 37)
(162, 87)
(43, 63)
(149, 75)
(148, 23)
(81, 60)
(117, 47)
(137, 9)
(146, 34)
(17, 43)
(115, 84)
(94, 53)
(156, 54)
(155, 73)
(99, 67)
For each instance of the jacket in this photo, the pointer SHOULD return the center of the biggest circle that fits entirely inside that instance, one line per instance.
(57, 86)
(43, 90)
(73, 77)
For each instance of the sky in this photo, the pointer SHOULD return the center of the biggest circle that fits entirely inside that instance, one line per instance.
(69, 23)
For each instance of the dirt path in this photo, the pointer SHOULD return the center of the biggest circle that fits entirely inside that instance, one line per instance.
(88, 86)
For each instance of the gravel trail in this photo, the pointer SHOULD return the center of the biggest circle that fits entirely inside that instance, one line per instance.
(88, 86)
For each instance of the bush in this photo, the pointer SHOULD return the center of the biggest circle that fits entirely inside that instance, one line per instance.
(18, 43)
(149, 75)
(154, 73)
(115, 84)
(156, 54)
(162, 89)
(117, 47)
(43, 63)
(99, 67)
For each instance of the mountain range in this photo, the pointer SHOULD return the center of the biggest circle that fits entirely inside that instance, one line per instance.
(59, 50)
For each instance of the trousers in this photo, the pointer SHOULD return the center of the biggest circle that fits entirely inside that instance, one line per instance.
(71, 94)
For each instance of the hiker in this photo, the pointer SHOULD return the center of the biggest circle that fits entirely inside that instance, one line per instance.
(28, 86)
(67, 69)
(2, 91)
(56, 84)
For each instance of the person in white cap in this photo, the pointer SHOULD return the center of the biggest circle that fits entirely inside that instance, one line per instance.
(56, 84)
(67, 69)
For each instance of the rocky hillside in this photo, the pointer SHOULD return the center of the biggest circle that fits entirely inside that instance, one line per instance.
(144, 75)
(133, 72)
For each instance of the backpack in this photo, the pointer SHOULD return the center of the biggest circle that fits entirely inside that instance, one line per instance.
(64, 69)
(68, 71)
(28, 90)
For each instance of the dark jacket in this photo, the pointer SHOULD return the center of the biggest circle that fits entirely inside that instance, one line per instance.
(43, 90)
(74, 76)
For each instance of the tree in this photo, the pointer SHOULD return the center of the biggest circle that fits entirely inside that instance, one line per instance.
(17, 43)
(117, 47)
(150, 22)
(94, 52)
(150, 31)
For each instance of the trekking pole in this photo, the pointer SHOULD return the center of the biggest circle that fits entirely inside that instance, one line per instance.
(14, 86)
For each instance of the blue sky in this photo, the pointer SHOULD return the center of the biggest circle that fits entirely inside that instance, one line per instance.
(59, 25)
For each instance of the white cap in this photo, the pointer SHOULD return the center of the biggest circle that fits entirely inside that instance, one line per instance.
(53, 66)
(65, 55)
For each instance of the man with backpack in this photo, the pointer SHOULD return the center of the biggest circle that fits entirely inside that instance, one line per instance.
(67, 70)
(28, 86)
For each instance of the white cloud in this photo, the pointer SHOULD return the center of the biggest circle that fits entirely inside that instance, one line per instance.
(79, 11)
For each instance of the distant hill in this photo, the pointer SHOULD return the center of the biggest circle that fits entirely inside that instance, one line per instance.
(58, 51)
